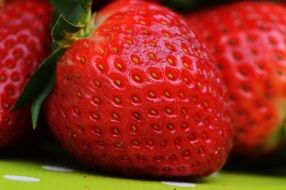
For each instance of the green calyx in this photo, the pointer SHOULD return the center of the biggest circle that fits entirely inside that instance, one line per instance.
(65, 32)
(74, 21)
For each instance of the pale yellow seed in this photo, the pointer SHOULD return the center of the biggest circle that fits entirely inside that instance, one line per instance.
(137, 115)
(119, 66)
(115, 116)
(151, 56)
(186, 65)
(154, 75)
(117, 100)
(100, 67)
(95, 116)
(153, 112)
(120, 144)
(142, 22)
(130, 42)
(135, 59)
(135, 142)
(155, 127)
(115, 50)
(151, 94)
(169, 111)
(152, 44)
(170, 76)
(79, 94)
(185, 79)
(183, 110)
(149, 142)
(82, 60)
(166, 34)
(206, 104)
(137, 78)
(101, 52)
(167, 94)
(170, 47)
(170, 126)
(170, 61)
(145, 31)
(116, 131)
(96, 100)
(135, 98)
(118, 82)
(133, 128)
(164, 22)
(96, 83)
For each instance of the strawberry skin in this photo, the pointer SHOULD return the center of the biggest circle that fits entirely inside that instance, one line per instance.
(248, 42)
(24, 40)
(135, 98)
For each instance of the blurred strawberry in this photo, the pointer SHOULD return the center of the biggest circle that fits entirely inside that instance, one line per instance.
(248, 42)
(24, 43)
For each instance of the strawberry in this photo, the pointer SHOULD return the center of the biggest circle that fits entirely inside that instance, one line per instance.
(24, 40)
(132, 95)
(248, 42)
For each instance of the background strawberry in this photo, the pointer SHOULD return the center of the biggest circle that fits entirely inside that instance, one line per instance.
(135, 96)
(24, 42)
(248, 42)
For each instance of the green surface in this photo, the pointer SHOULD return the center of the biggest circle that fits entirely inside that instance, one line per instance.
(49, 168)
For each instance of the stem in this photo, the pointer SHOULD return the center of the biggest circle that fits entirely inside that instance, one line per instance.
(88, 21)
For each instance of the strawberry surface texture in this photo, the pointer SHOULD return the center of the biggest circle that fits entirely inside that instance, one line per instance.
(141, 96)
(248, 41)
(24, 42)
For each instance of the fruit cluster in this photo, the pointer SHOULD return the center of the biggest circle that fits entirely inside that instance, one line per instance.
(141, 90)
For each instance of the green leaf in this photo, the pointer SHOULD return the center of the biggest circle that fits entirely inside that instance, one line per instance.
(40, 98)
(39, 81)
(73, 10)
(85, 4)
(63, 31)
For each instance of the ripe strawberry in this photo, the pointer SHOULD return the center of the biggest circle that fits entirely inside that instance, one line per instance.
(135, 97)
(24, 40)
(249, 44)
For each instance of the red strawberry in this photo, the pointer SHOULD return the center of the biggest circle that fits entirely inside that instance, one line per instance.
(136, 97)
(249, 44)
(24, 40)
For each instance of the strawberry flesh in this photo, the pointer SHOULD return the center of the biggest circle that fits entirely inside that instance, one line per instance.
(24, 42)
(248, 42)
